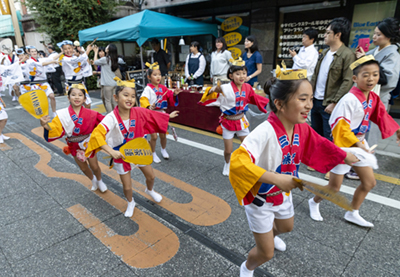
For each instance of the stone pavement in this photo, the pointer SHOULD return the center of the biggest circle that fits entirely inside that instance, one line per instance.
(51, 224)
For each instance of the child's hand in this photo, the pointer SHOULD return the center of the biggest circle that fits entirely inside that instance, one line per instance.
(177, 91)
(174, 114)
(286, 183)
(116, 155)
(44, 121)
(350, 159)
(152, 106)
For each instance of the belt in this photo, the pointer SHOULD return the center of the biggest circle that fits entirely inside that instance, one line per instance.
(78, 138)
(33, 83)
(234, 117)
(75, 81)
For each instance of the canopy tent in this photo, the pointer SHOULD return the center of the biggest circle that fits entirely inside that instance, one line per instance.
(145, 25)
(6, 25)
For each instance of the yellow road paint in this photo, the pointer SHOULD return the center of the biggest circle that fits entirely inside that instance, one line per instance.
(153, 244)
(387, 179)
(205, 209)
(5, 147)
(100, 108)
(201, 132)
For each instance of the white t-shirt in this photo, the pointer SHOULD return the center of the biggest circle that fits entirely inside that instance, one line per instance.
(323, 76)
(307, 58)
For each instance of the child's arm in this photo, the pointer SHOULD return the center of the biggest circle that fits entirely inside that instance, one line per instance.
(44, 121)
(1, 100)
(114, 153)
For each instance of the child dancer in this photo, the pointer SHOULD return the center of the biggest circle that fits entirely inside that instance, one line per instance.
(74, 67)
(77, 123)
(349, 123)
(125, 123)
(269, 157)
(233, 102)
(3, 120)
(158, 97)
(37, 75)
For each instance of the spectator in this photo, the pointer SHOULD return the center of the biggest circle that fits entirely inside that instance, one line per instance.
(308, 55)
(219, 61)
(97, 72)
(332, 78)
(253, 59)
(109, 67)
(55, 76)
(161, 58)
(195, 64)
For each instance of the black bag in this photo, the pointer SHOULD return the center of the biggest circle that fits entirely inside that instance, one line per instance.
(382, 77)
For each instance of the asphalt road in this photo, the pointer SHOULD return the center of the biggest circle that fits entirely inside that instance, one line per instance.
(51, 224)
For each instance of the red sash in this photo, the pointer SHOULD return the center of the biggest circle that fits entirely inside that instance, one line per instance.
(77, 119)
(240, 98)
(161, 95)
(368, 106)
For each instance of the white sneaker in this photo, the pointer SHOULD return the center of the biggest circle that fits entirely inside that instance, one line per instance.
(101, 186)
(244, 272)
(156, 196)
(14, 98)
(225, 171)
(5, 137)
(355, 217)
(130, 208)
(94, 183)
(314, 210)
(279, 244)
(54, 114)
(156, 159)
(164, 154)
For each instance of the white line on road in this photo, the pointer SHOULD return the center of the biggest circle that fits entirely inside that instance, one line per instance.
(345, 189)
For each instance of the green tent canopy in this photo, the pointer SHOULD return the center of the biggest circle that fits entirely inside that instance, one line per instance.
(6, 25)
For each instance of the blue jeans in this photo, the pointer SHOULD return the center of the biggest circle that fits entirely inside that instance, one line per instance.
(320, 119)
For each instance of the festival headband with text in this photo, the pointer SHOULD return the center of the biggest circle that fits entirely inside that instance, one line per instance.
(362, 60)
(290, 74)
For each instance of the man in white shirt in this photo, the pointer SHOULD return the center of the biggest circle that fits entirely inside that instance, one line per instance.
(308, 56)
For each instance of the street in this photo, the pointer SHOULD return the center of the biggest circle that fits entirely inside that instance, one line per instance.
(52, 224)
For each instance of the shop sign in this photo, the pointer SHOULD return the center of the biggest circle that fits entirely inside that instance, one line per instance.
(231, 23)
(232, 38)
(236, 52)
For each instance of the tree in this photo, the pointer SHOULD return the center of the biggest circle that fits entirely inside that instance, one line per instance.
(63, 19)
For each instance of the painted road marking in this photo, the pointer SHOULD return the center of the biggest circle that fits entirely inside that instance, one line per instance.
(346, 189)
(385, 153)
(153, 244)
(205, 209)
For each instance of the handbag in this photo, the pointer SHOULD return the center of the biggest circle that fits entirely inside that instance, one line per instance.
(118, 73)
(382, 77)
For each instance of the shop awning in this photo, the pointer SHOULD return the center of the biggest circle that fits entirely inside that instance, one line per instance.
(145, 25)
(6, 26)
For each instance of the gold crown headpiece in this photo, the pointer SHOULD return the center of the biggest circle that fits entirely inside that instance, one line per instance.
(153, 66)
(130, 83)
(238, 62)
(290, 74)
(78, 86)
(362, 60)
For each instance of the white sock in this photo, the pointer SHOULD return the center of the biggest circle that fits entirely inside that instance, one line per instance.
(156, 196)
(54, 114)
(225, 171)
(314, 210)
(1, 139)
(101, 186)
(356, 218)
(279, 244)
(164, 153)
(244, 272)
(5, 137)
(94, 183)
(156, 159)
(130, 208)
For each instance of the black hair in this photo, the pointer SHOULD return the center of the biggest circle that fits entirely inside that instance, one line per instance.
(390, 28)
(197, 45)
(120, 88)
(224, 46)
(41, 52)
(282, 90)
(341, 25)
(311, 33)
(155, 41)
(51, 47)
(254, 47)
(71, 88)
(150, 71)
(102, 49)
(358, 68)
(113, 56)
(234, 68)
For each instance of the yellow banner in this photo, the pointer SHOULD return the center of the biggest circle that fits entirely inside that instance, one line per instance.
(35, 102)
(231, 23)
(232, 38)
(236, 52)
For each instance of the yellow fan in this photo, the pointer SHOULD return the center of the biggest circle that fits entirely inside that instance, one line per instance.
(136, 151)
(35, 103)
